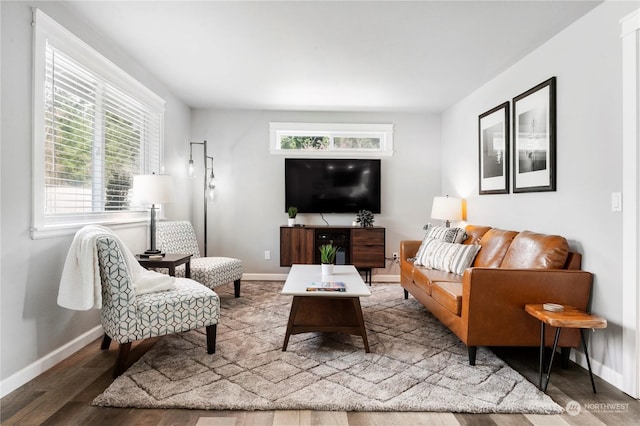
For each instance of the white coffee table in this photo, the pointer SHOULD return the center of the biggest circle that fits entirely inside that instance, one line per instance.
(325, 311)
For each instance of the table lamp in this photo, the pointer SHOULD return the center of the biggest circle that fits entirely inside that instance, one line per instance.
(447, 209)
(152, 190)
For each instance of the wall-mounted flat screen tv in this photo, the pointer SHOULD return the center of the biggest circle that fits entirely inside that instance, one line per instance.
(315, 185)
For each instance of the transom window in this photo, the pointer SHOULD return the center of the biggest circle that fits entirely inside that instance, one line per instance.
(309, 139)
(94, 128)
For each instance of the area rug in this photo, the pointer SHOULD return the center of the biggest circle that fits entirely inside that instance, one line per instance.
(415, 364)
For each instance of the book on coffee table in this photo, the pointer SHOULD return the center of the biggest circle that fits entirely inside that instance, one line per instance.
(327, 286)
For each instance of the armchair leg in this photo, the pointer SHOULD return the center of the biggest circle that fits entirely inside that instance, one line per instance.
(236, 288)
(106, 342)
(472, 354)
(121, 362)
(406, 294)
(211, 338)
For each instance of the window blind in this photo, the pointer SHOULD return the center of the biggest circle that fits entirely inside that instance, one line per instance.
(96, 138)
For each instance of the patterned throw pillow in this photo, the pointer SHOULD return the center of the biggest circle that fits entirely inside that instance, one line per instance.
(449, 235)
(442, 233)
(447, 257)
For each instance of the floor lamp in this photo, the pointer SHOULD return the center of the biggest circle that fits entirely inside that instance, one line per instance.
(209, 181)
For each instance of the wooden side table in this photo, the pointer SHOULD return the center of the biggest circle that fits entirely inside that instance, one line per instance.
(169, 261)
(570, 317)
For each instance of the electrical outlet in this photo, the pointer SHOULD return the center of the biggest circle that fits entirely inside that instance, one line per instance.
(395, 256)
(267, 255)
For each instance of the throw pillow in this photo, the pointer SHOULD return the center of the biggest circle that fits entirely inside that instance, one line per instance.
(442, 233)
(449, 235)
(423, 246)
(448, 257)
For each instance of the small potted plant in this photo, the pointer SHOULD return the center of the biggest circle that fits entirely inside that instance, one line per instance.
(292, 212)
(327, 257)
(365, 218)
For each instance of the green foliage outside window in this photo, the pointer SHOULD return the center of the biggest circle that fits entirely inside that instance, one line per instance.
(356, 143)
(305, 142)
(122, 153)
(324, 143)
(68, 145)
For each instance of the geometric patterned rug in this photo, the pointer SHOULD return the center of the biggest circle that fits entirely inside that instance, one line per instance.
(415, 364)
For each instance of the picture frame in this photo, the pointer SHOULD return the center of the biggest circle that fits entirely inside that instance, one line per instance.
(534, 139)
(493, 150)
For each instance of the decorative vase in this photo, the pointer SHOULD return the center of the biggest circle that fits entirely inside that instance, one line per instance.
(327, 269)
(291, 221)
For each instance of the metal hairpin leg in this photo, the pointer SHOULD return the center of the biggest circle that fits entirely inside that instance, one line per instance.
(553, 352)
(541, 367)
(586, 353)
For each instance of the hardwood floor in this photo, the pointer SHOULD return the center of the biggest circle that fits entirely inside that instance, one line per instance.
(63, 394)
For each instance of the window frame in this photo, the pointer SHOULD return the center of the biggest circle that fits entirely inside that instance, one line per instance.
(384, 131)
(45, 28)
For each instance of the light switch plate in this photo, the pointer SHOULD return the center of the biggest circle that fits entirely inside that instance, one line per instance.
(616, 201)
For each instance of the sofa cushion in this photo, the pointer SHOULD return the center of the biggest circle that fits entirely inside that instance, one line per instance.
(448, 294)
(494, 243)
(447, 257)
(475, 233)
(421, 279)
(530, 250)
(425, 277)
(436, 275)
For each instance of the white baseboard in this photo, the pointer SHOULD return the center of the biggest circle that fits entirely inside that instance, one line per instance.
(386, 278)
(282, 277)
(38, 367)
(264, 277)
(605, 373)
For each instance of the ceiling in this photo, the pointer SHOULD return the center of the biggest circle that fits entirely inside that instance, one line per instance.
(330, 55)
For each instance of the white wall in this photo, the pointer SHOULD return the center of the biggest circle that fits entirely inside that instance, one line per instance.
(245, 218)
(586, 59)
(32, 325)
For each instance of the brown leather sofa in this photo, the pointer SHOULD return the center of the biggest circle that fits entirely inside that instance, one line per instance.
(485, 305)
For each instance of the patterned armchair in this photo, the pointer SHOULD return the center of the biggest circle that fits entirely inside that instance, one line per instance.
(127, 317)
(180, 237)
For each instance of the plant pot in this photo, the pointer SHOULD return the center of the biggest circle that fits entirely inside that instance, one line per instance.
(291, 221)
(327, 269)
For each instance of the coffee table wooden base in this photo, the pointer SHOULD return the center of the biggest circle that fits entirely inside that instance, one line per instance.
(326, 314)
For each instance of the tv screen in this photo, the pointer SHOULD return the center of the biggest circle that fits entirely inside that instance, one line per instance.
(332, 185)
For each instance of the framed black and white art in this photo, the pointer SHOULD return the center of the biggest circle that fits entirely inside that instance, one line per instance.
(534, 139)
(493, 143)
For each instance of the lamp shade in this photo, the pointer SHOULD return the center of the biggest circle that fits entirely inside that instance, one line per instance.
(446, 208)
(153, 189)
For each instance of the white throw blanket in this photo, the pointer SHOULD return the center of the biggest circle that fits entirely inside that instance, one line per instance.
(80, 288)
